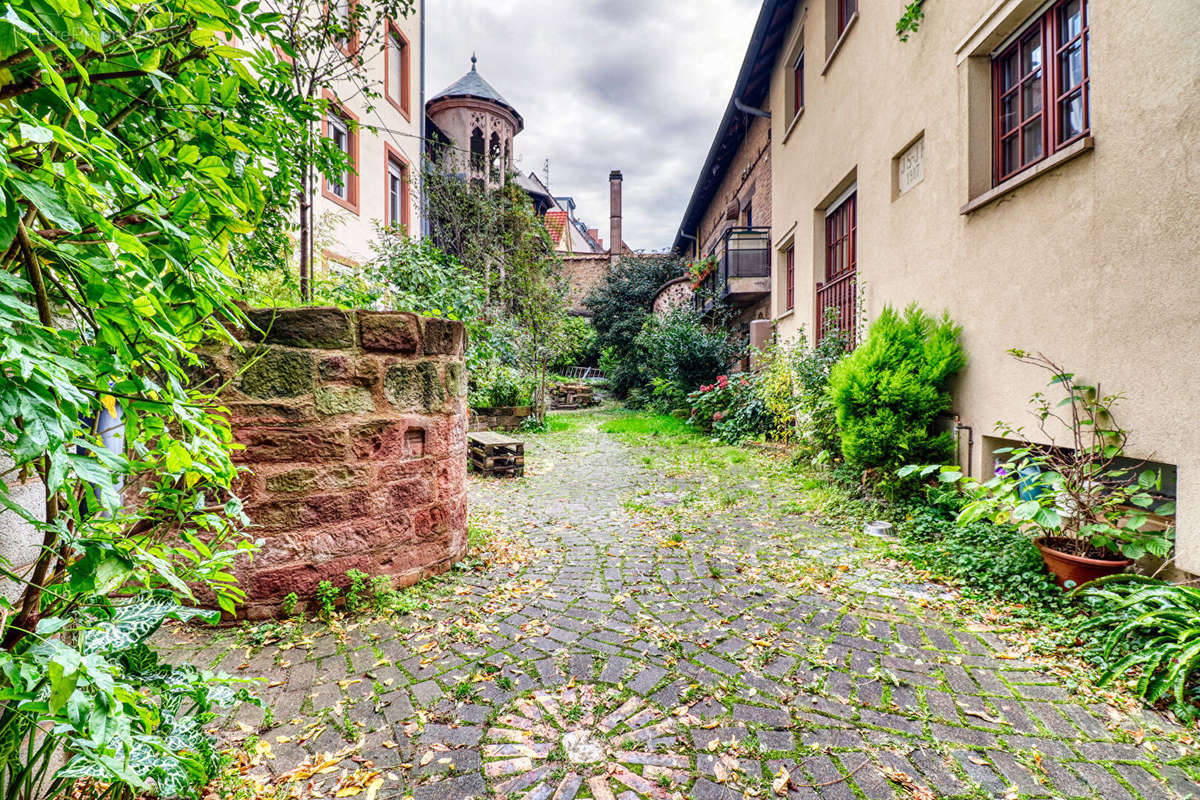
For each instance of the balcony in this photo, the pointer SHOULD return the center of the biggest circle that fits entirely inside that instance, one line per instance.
(743, 273)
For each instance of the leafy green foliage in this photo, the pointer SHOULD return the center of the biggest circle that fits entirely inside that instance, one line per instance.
(496, 385)
(327, 597)
(910, 21)
(621, 304)
(677, 352)
(990, 561)
(732, 409)
(1081, 494)
(580, 348)
(889, 392)
(140, 146)
(414, 275)
(1151, 632)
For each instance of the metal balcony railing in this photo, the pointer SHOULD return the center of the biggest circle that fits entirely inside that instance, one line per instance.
(741, 253)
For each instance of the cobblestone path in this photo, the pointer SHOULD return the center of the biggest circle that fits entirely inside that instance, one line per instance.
(619, 661)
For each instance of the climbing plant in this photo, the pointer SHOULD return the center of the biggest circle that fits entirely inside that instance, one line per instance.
(910, 21)
(136, 142)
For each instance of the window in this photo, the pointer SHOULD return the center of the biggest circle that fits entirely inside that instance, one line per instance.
(397, 70)
(841, 239)
(494, 157)
(798, 85)
(341, 24)
(749, 213)
(397, 190)
(477, 150)
(339, 127)
(339, 132)
(1040, 83)
(846, 10)
(837, 296)
(791, 278)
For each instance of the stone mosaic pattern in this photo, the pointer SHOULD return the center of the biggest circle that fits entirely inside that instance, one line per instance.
(683, 672)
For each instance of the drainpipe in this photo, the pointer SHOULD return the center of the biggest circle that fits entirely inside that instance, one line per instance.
(424, 205)
(745, 109)
(695, 247)
(958, 427)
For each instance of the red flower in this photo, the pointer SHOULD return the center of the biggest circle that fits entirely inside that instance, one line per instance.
(719, 415)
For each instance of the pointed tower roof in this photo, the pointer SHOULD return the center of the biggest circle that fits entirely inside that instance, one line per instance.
(474, 86)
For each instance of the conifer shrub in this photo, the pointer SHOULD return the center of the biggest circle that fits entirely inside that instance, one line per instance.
(888, 393)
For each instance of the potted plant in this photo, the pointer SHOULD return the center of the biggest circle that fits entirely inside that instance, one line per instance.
(700, 269)
(1082, 499)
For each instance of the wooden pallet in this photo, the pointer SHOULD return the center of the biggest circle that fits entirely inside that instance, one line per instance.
(493, 453)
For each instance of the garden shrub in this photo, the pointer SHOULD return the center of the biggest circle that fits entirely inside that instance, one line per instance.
(679, 352)
(888, 393)
(495, 385)
(795, 388)
(582, 348)
(987, 560)
(733, 409)
(620, 305)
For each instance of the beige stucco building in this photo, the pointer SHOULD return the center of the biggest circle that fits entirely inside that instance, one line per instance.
(1029, 167)
(386, 147)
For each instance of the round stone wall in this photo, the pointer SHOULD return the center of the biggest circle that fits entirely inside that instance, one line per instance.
(354, 428)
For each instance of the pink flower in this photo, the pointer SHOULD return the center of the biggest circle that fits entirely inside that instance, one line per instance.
(719, 415)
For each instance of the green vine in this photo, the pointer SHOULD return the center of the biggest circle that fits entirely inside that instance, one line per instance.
(910, 22)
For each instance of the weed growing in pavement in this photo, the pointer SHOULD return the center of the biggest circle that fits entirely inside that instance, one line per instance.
(327, 595)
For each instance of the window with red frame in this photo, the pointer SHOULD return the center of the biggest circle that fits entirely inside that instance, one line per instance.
(846, 11)
(841, 239)
(397, 193)
(791, 278)
(798, 85)
(1041, 84)
(397, 73)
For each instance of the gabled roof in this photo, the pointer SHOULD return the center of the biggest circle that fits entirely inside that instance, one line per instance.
(752, 87)
(556, 223)
(474, 86)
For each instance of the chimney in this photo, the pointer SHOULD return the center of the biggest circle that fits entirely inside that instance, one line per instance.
(616, 242)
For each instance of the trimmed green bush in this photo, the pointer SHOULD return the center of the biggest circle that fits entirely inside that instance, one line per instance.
(889, 392)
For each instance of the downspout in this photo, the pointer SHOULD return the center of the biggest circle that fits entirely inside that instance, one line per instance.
(421, 150)
(695, 247)
(958, 428)
(745, 109)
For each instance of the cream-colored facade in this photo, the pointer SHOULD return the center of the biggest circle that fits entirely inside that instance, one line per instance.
(388, 146)
(1091, 256)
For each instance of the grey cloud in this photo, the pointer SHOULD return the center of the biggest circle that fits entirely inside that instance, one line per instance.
(635, 85)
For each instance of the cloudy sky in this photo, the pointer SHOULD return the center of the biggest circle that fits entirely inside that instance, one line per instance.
(634, 85)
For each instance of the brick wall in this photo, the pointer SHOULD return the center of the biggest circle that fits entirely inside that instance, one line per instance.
(583, 273)
(354, 426)
(746, 181)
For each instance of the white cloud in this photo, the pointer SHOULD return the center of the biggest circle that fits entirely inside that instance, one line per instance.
(634, 85)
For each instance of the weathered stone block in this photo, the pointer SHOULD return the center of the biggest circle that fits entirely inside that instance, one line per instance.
(443, 337)
(296, 480)
(325, 328)
(272, 372)
(416, 491)
(456, 379)
(271, 445)
(264, 413)
(412, 387)
(378, 440)
(390, 332)
(332, 401)
(347, 369)
(326, 508)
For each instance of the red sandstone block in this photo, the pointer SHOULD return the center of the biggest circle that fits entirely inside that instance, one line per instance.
(404, 495)
(375, 440)
(252, 413)
(390, 332)
(442, 336)
(278, 445)
(327, 508)
(302, 577)
(358, 536)
(431, 524)
(393, 471)
(342, 368)
(302, 327)
(451, 477)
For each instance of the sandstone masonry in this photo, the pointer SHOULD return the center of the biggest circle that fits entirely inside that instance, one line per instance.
(354, 432)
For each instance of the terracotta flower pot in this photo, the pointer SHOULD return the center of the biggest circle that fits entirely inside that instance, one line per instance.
(1077, 570)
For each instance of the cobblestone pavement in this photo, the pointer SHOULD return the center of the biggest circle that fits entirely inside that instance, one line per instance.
(615, 659)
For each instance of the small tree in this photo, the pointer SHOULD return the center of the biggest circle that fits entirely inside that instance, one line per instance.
(889, 392)
(621, 303)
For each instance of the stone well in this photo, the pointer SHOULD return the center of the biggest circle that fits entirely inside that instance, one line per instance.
(354, 427)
